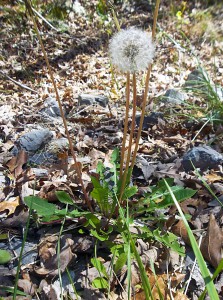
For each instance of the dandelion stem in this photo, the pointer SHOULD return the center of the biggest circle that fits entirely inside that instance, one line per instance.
(146, 88)
(29, 8)
(126, 123)
(125, 176)
(142, 115)
(155, 18)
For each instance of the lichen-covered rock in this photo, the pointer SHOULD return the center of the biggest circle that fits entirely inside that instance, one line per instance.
(202, 157)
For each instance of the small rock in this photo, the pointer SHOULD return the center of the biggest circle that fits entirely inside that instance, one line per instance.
(35, 139)
(86, 99)
(203, 157)
(51, 108)
(150, 120)
(173, 97)
(216, 202)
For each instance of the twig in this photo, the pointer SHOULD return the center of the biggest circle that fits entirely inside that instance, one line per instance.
(79, 174)
(41, 17)
(18, 83)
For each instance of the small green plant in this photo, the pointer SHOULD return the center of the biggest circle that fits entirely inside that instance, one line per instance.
(104, 222)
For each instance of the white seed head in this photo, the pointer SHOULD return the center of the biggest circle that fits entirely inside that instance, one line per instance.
(132, 50)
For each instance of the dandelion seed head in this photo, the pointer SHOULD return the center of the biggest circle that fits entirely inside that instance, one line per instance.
(132, 50)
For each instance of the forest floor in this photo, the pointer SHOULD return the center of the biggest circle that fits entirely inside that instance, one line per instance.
(35, 159)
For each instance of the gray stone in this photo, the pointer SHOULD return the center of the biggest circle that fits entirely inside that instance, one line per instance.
(150, 120)
(216, 202)
(35, 139)
(86, 99)
(51, 108)
(203, 157)
(173, 97)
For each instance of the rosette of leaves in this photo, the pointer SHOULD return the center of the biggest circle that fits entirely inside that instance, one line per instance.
(107, 187)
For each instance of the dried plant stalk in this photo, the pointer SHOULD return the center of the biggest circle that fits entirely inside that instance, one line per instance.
(79, 173)
(126, 123)
(124, 178)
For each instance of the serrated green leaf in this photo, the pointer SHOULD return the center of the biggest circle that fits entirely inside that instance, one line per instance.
(161, 183)
(63, 197)
(42, 207)
(155, 199)
(115, 156)
(129, 192)
(92, 220)
(121, 261)
(170, 240)
(99, 266)
(96, 183)
(181, 194)
(101, 238)
(5, 257)
(100, 283)
(100, 195)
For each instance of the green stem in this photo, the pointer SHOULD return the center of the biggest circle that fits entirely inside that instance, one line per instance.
(21, 253)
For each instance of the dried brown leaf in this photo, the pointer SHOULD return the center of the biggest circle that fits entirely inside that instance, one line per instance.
(211, 246)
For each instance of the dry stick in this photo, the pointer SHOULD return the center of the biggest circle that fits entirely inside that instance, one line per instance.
(27, 2)
(18, 83)
(130, 139)
(146, 88)
(126, 123)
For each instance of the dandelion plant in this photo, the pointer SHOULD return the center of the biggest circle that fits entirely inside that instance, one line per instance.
(131, 51)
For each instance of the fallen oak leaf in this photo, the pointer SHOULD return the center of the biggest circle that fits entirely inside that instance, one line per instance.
(16, 164)
(213, 177)
(9, 206)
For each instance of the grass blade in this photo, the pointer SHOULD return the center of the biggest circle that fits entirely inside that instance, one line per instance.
(200, 260)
